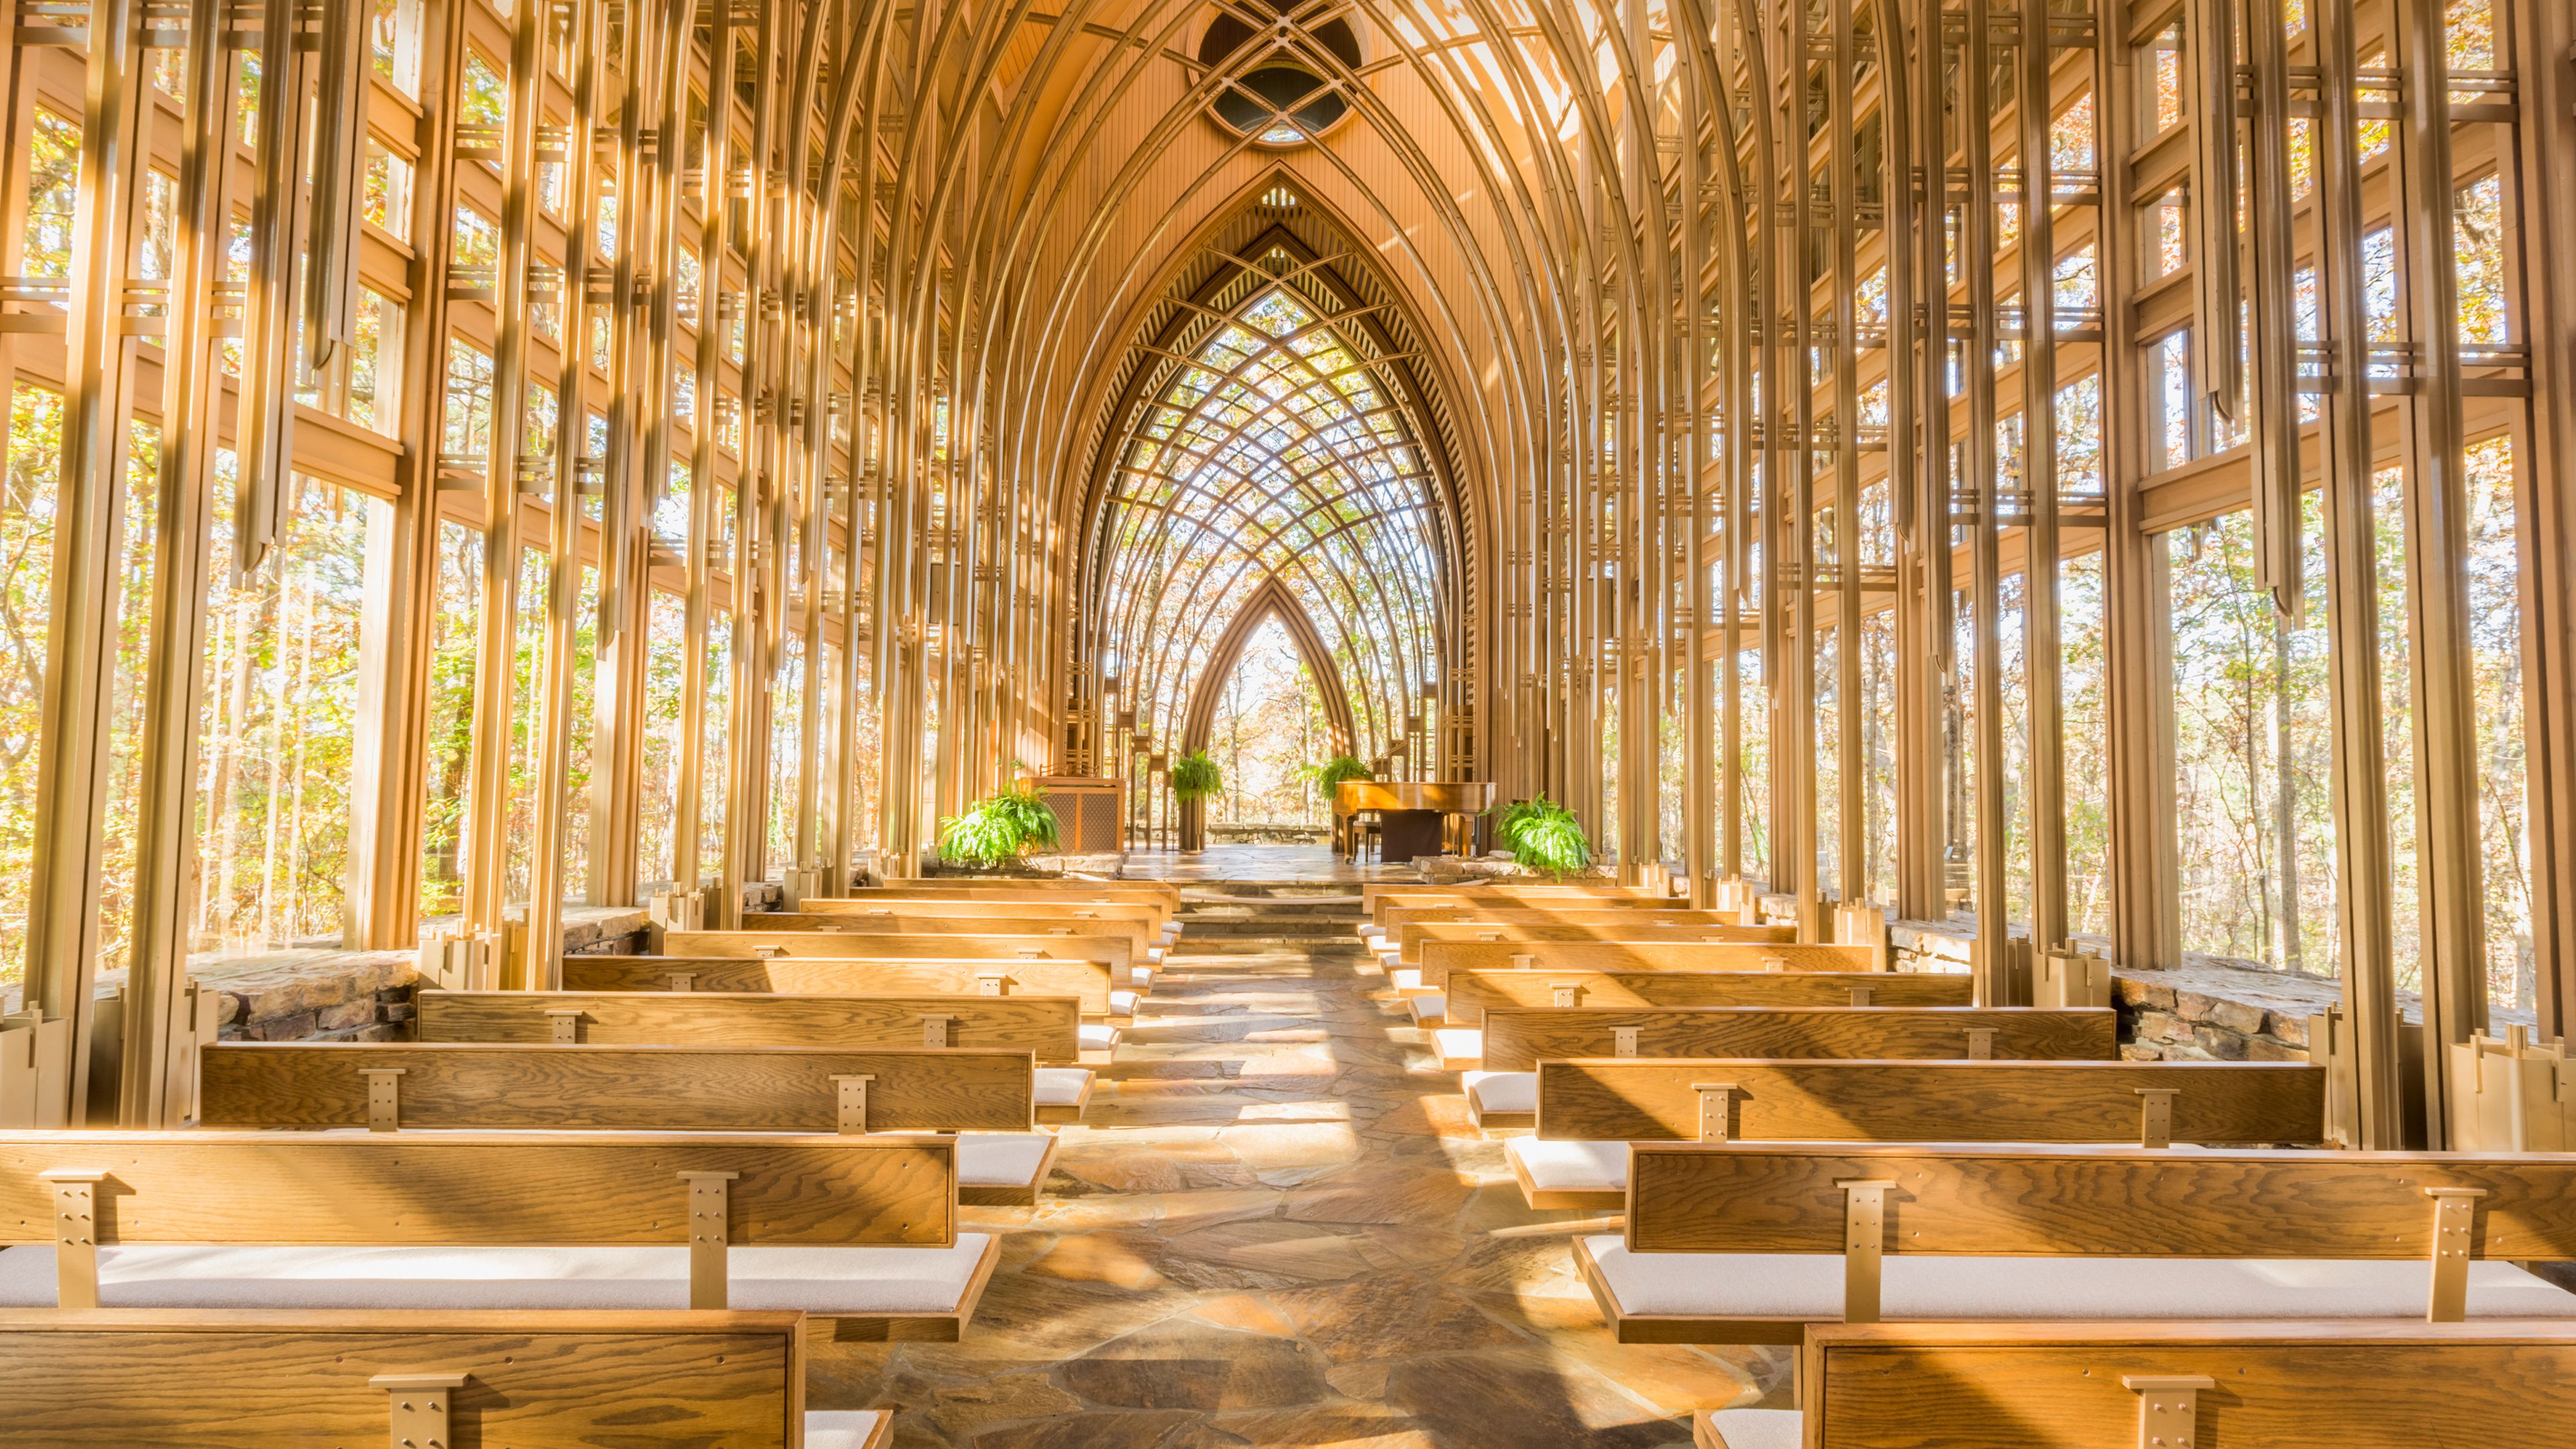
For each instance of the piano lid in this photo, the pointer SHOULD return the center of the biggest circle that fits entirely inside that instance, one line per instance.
(1449, 797)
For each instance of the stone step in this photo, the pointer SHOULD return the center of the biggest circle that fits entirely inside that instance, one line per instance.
(1334, 946)
(1297, 928)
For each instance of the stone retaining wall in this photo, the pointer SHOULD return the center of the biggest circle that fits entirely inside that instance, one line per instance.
(2204, 1010)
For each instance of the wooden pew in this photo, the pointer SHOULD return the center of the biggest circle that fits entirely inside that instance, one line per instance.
(1514, 1039)
(202, 1379)
(1043, 1026)
(910, 937)
(1410, 937)
(860, 1232)
(1588, 1112)
(1750, 1243)
(867, 970)
(2088, 1385)
(484, 1087)
(1825, 1100)
(1165, 900)
(1132, 924)
(1164, 890)
(1371, 894)
(1457, 946)
(1469, 994)
(1383, 900)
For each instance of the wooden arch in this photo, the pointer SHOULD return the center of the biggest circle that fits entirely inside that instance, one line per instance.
(1270, 599)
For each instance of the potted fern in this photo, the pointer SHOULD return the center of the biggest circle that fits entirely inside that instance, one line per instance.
(1194, 777)
(1542, 836)
(1000, 828)
(1330, 775)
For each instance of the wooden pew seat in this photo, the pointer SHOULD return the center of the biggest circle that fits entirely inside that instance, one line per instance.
(865, 1283)
(857, 1230)
(183, 1379)
(2082, 1385)
(1749, 1244)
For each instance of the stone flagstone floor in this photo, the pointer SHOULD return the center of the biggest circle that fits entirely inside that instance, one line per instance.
(1278, 1227)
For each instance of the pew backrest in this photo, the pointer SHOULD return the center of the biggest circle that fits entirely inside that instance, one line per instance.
(1088, 982)
(1445, 946)
(1166, 891)
(1047, 1027)
(209, 1379)
(1410, 937)
(908, 938)
(1690, 1100)
(1474, 992)
(2281, 1385)
(1370, 895)
(495, 1088)
(1163, 903)
(1132, 924)
(1517, 1038)
(79, 1190)
(1384, 901)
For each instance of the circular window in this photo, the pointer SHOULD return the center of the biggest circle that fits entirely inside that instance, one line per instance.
(1283, 100)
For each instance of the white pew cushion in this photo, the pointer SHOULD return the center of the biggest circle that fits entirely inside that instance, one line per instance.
(817, 1280)
(1062, 1086)
(1154, 954)
(1922, 1287)
(1141, 977)
(841, 1428)
(1428, 1008)
(1459, 1044)
(1171, 932)
(1123, 1003)
(1502, 1091)
(1097, 1036)
(1570, 1166)
(1404, 978)
(1369, 932)
(1739, 1428)
(1001, 1159)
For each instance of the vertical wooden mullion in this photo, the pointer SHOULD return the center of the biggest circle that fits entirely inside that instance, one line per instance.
(2440, 660)
(1994, 984)
(151, 1095)
(2544, 187)
(80, 642)
(2363, 871)
(2043, 653)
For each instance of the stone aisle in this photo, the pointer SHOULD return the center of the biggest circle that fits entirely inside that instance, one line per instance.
(1278, 1227)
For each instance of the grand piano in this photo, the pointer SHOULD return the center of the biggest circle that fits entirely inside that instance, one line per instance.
(1414, 816)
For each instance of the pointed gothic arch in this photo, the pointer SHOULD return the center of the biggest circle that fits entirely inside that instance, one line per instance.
(1270, 600)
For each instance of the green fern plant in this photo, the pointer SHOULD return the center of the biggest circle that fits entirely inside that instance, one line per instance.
(1194, 777)
(1542, 836)
(1334, 771)
(1000, 827)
